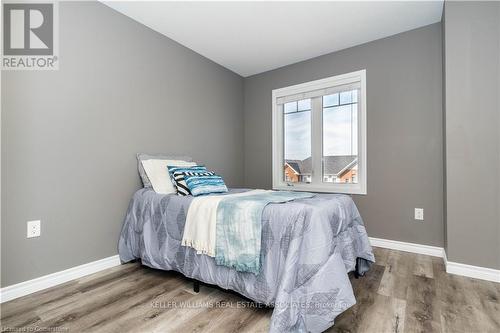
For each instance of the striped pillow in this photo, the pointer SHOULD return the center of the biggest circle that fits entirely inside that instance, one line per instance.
(204, 184)
(180, 181)
(172, 169)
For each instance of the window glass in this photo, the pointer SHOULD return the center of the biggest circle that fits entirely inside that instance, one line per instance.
(330, 100)
(290, 107)
(304, 104)
(297, 135)
(340, 140)
(345, 97)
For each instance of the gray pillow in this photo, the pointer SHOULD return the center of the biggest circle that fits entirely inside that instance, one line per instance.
(141, 157)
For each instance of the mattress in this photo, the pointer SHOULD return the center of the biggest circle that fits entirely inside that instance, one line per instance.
(308, 248)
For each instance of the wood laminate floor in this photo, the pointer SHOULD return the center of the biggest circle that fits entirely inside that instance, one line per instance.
(403, 292)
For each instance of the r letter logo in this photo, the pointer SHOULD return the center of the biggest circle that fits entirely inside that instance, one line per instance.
(30, 36)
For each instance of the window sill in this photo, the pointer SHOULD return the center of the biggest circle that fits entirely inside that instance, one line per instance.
(356, 189)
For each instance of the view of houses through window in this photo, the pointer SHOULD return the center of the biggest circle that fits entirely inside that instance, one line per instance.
(339, 139)
(298, 141)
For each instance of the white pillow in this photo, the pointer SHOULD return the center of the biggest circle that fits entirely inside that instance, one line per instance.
(158, 175)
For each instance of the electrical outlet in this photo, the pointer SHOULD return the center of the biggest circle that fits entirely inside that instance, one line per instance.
(419, 214)
(33, 229)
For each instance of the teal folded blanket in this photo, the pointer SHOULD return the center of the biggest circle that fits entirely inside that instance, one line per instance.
(239, 227)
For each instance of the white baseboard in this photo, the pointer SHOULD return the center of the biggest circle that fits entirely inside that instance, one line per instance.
(27, 287)
(456, 268)
(477, 272)
(408, 247)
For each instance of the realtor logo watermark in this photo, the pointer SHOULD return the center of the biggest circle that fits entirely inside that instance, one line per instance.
(30, 35)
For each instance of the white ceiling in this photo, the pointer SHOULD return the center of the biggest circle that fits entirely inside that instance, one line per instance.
(254, 37)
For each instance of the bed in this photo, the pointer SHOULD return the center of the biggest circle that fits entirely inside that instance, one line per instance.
(308, 247)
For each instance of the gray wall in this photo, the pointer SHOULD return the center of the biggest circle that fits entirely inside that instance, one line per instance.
(472, 73)
(404, 111)
(69, 137)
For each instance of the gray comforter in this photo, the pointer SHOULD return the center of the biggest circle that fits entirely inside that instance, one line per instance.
(308, 247)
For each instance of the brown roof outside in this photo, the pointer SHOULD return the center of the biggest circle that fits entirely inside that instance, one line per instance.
(333, 165)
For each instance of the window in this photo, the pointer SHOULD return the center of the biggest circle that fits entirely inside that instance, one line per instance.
(319, 135)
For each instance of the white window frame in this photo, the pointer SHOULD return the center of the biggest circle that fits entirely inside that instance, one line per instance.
(317, 185)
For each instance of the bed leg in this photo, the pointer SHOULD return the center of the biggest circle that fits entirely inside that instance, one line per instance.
(196, 286)
(356, 272)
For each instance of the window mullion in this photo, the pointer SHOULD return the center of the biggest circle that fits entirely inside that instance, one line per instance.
(317, 140)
